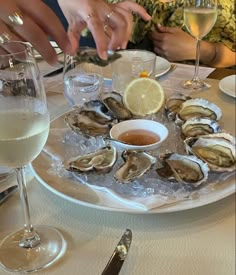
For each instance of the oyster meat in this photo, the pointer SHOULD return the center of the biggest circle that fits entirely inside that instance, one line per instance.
(101, 161)
(183, 168)
(199, 126)
(197, 108)
(173, 105)
(136, 163)
(88, 122)
(217, 150)
(114, 103)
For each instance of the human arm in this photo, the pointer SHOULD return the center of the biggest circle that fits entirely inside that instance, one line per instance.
(35, 28)
(177, 45)
(94, 15)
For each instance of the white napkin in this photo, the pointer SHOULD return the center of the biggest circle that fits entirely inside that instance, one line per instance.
(171, 82)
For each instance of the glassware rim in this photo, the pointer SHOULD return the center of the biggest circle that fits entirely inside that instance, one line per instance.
(26, 46)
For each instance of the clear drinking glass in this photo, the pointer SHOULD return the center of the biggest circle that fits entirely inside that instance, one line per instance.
(132, 64)
(83, 81)
(199, 18)
(24, 128)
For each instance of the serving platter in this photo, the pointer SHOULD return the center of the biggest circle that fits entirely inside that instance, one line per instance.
(76, 191)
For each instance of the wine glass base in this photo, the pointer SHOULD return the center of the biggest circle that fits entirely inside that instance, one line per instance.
(25, 260)
(195, 85)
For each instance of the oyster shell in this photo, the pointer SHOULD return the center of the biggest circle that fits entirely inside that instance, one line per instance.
(101, 161)
(199, 126)
(217, 150)
(173, 105)
(183, 168)
(88, 123)
(199, 107)
(89, 55)
(136, 163)
(113, 102)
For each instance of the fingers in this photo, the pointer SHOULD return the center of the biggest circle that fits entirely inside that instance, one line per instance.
(45, 18)
(131, 6)
(23, 23)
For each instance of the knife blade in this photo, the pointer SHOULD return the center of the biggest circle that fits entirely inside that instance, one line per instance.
(55, 72)
(119, 254)
(7, 192)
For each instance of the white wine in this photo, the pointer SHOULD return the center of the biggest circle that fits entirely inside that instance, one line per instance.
(22, 136)
(199, 21)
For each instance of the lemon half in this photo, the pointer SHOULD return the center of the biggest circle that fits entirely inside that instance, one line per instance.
(144, 96)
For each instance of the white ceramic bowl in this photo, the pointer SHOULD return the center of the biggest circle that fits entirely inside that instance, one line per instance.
(156, 129)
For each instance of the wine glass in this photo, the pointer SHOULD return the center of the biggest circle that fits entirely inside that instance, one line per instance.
(199, 18)
(83, 79)
(24, 128)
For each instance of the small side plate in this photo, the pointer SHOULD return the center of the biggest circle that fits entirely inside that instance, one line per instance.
(227, 85)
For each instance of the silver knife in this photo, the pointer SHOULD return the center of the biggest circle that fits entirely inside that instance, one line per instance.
(119, 255)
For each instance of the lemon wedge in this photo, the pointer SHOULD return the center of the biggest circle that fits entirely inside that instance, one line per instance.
(144, 96)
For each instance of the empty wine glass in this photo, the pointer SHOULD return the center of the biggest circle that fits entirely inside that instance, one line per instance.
(83, 79)
(24, 128)
(199, 18)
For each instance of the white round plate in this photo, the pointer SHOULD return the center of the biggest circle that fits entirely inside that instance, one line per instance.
(227, 85)
(80, 193)
(162, 66)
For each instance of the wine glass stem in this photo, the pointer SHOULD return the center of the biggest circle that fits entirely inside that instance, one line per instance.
(30, 238)
(196, 72)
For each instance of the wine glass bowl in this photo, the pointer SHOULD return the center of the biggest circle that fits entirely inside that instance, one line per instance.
(24, 124)
(199, 18)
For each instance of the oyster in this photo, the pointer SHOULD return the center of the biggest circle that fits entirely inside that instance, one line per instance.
(199, 126)
(199, 107)
(173, 105)
(89, 55)
(101, 161)
(113, 102)
(90, 123)
(136, 163)
(183, 168)
(217, 150)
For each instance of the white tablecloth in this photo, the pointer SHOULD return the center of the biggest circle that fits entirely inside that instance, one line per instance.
(190, 242)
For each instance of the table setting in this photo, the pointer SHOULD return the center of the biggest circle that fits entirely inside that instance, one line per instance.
(188, 233)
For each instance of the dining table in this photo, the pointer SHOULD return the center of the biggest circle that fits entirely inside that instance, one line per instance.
(199, 240)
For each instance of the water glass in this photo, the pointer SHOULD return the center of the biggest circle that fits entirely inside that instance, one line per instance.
(132, 64)
(82, 81)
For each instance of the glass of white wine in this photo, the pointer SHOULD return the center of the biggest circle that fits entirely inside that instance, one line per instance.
(24, 128)
(199, 18)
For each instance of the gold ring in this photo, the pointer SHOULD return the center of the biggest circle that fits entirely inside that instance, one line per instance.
(89, 16)
(109, 15)
(4, 37)
(105, 30)
(16, 19)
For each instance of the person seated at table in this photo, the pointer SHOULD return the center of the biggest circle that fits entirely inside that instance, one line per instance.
(35, 22)
(166, 36)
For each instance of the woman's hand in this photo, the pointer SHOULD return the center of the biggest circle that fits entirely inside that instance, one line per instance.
(173, 44)
(110, 24)
(32, 22)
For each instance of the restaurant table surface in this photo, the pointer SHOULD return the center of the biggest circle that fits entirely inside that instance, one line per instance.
(196, 241)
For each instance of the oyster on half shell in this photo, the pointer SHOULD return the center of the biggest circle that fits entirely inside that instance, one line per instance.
(88, 122)
(197, 108)
(101, 161)
(183, 168)
(217, 150)
(199, 126)
(173, 105)
(136, 163)
(114, 102)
